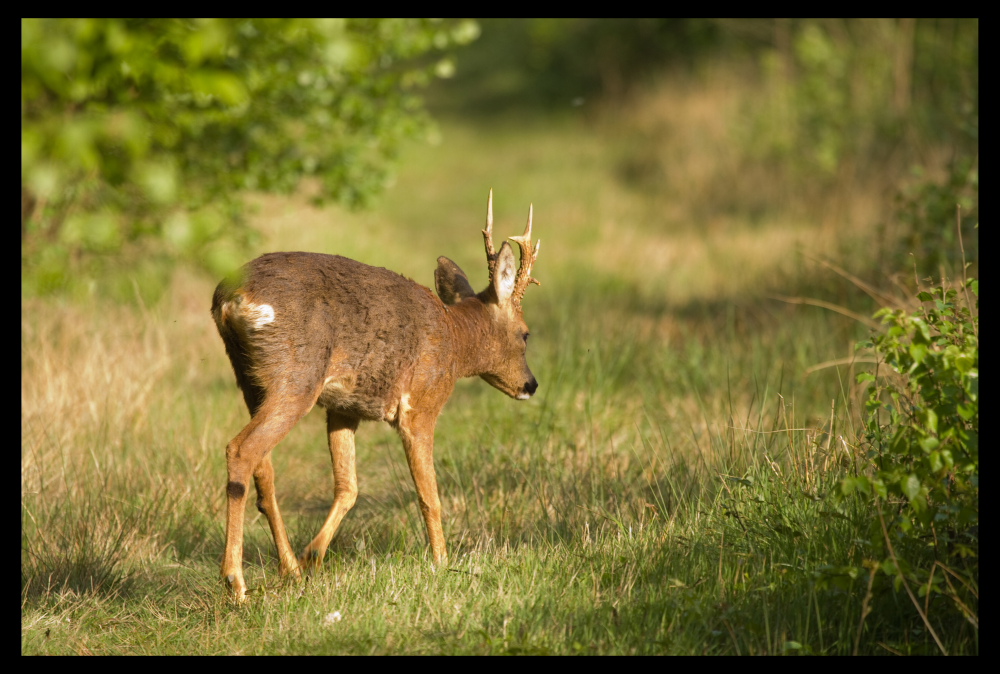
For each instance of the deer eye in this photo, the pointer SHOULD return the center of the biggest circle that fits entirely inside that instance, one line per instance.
(526, 337)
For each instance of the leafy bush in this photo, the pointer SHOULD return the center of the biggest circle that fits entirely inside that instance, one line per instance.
(922, 439)
(928, 453)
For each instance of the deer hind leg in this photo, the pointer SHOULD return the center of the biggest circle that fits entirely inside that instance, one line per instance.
(263, 478)
(340, 431)
(418, 441)
(248, 455)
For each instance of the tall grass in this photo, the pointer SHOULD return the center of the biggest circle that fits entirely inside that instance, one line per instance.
(668, 490)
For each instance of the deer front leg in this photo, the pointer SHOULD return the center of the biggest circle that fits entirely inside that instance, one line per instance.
(340, 431)
(418, 441)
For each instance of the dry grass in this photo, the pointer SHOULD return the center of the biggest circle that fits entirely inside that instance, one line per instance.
(659, 359)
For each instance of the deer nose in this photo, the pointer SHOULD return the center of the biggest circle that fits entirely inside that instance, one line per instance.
(530, 387)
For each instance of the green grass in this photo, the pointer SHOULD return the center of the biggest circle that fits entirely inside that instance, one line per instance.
(667, 490)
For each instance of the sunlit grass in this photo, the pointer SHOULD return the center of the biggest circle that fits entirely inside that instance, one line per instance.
(666, 491)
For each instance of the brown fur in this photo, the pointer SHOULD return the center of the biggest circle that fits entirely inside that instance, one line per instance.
(303, 329)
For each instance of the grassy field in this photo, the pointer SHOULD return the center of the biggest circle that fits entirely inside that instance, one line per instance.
(666, 491)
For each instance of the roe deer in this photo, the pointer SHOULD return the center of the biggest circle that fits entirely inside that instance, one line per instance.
(367, 344)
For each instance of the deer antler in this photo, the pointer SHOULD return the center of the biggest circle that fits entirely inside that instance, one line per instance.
(528, 257)
(491, 254)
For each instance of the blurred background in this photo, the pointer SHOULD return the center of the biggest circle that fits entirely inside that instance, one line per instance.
(151, 144)
(723, 206)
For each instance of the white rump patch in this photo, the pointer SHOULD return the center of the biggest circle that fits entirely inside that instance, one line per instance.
(257, 315)
(243, 316)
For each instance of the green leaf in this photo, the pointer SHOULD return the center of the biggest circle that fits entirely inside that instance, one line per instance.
(935, 460)
(865, 376)
(930, 443)
(931, 420)
(910, 486)
(851, 484)
(923, 330)
(967, 411)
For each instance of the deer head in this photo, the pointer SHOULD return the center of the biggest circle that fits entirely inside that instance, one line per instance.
(508, 333)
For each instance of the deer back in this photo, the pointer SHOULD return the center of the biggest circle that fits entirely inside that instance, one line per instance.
(294, 322)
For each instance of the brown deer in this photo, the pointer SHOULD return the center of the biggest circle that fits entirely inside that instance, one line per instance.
(303, 329)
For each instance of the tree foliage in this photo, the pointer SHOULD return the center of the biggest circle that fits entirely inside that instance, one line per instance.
(849, 102)
(553, 63)
(843, 91)
(137, 136)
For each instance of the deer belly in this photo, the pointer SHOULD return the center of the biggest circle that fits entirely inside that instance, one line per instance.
(342, 392)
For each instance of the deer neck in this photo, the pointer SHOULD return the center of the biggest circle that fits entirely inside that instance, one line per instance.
(473, 332)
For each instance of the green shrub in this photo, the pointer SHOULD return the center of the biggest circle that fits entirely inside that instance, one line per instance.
(921, 437)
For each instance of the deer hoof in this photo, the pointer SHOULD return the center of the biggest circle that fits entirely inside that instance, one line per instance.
(237, 588)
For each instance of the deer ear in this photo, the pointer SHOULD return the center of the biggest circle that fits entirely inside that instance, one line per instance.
(504, 274)
(451, 283)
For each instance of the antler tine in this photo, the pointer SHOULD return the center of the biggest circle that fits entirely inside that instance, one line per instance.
(528, 257)
(491, 255)
(526, 237)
